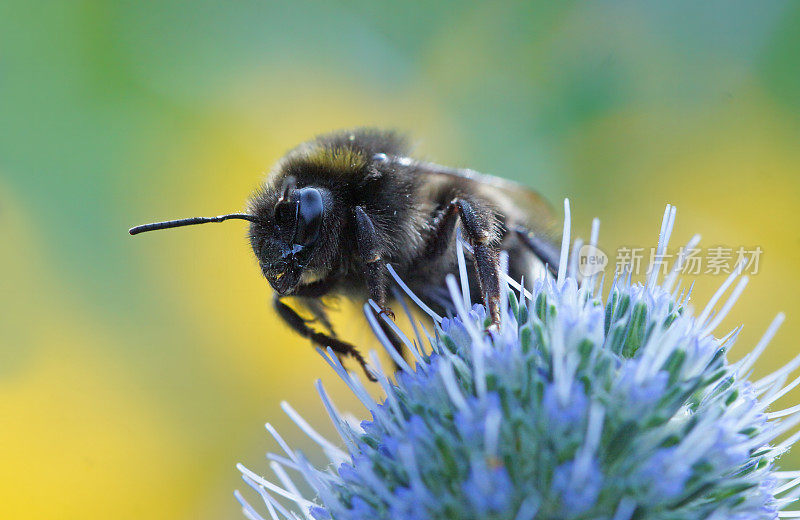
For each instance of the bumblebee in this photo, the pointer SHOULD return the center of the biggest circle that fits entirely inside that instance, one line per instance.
(335, 210)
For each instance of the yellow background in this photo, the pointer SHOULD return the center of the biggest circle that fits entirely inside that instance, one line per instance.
(135, 372)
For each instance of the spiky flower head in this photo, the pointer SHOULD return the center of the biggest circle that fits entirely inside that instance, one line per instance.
(578, 408)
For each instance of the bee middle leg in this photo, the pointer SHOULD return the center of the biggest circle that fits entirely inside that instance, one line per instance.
(299, 325)
(481, 228)
(319, 313)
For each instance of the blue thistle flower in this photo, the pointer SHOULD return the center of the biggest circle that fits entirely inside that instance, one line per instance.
(575, 409)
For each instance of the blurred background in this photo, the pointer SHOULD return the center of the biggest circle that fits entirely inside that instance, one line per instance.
(135, 372)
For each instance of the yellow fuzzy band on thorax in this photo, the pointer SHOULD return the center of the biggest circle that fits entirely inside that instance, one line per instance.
(341, 160)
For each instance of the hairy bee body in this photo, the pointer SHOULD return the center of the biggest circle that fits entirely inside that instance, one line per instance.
(402, 196)
(335, 210)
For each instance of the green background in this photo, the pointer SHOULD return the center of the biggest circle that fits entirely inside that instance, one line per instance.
(134, 373)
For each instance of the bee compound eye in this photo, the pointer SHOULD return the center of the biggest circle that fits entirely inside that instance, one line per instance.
(310, 208)
(285, 212)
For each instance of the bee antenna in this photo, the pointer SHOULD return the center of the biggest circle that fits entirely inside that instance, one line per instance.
(189, 222)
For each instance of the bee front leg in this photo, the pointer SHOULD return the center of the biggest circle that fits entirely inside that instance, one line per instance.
(298, 324)
(481, 229)
(369, 248)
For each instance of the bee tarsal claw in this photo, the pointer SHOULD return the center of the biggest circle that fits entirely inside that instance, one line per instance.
(386, 311)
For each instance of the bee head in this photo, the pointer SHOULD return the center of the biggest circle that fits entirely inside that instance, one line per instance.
(286, 232)
(285, 229)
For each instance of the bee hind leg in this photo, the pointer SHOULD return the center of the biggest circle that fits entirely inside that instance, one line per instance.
(339, 347)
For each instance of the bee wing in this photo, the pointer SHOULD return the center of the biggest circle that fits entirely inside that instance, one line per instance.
(538, 214)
